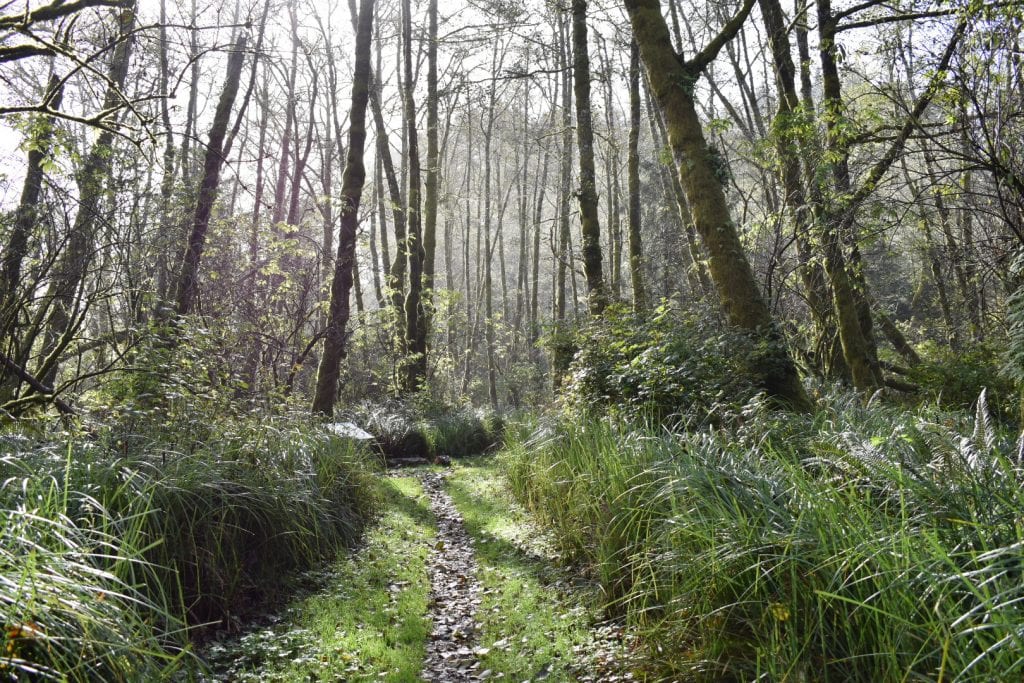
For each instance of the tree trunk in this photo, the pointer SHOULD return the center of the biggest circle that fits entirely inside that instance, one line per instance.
(25, 217)
(73, 265)
(395, 280)
(430, 185)
(416, 334)
(537, 217)
(351, 192)
(185, 158)
(613, 186)
(851, 309)
(489, 323)
(188, 277)
(931, 250)
(636, 275)
(672, 82)
(590, 226)
(787, 126)
(562, 242)
(693, 261)
(166, 238)
(382, 213)
(280, 212)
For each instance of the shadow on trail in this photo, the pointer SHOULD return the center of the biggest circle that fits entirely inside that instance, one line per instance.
(541, 620)
(503, 553)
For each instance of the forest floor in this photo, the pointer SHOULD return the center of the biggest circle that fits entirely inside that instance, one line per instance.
(454, 583)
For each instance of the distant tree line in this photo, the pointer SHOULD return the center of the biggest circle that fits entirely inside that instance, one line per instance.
(385, 198)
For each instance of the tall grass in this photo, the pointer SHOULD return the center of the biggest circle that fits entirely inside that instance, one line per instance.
(77, 597)
(113, 553)
(423, 428)
(254, 506)
(858, 544)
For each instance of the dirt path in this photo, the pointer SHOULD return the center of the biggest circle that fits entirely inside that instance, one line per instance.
(450, 651)
(437, 593)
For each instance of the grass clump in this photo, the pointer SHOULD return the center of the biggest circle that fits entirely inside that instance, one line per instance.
(115, 552)
(76, 596)
(857, 544)
(264, 501)
(396, 429)
(421, 428)
(462, 432)
(367, 620)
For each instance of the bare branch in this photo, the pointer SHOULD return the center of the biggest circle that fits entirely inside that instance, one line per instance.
(728, 32)
(56, 10)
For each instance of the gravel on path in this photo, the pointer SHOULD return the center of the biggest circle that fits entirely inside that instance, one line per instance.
(454, 595)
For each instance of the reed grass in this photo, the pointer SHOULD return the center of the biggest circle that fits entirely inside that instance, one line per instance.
(113, 554)
(863, 543)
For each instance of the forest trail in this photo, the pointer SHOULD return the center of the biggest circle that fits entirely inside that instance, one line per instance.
(454, 593)
(454, 584)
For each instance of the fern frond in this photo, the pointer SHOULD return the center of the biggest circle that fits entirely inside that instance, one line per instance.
(1020, 451)
(984, 437)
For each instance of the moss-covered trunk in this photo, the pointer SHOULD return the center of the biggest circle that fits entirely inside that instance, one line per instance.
(672, 82)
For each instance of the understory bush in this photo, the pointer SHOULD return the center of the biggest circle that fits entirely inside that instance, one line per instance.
(672, 365)
(954, 379)
(861, 543)
(418, 427)
(115, 553)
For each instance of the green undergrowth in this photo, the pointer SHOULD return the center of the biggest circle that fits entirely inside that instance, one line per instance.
(860, 543)
(419, 428)
(366, 619)
(118, 546)
(536, 620)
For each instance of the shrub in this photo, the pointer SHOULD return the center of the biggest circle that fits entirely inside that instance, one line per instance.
(955, 378)
(671, 366)
(1013, 356)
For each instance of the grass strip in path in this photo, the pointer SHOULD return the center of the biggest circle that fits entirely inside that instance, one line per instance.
(367, 619)
(536, 621)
